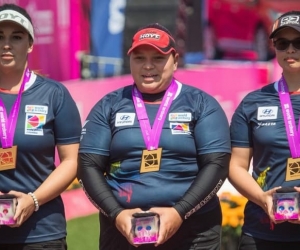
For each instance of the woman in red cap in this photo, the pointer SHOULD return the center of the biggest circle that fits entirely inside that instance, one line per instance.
(265, 131)
(156, 149)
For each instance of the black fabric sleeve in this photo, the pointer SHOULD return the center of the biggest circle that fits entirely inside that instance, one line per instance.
(90, 173)
(214, 169)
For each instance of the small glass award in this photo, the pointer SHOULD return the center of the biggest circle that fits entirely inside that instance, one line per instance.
(145, 227)
(8, 205)
(286, 204)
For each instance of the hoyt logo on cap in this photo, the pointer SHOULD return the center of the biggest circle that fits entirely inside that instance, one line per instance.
(149, 35)
(155, 38)
(14, 16)
(292, 21)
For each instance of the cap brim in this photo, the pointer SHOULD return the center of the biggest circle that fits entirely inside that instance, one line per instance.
(152, 45)
(30, 32)
(273, 34)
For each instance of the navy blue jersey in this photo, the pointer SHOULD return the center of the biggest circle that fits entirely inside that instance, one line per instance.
(195, 125)
(258, 123)
(48, 116)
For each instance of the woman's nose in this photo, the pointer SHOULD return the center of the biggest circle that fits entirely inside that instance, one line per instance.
(5, 43)
(148, 64)
(291, 48)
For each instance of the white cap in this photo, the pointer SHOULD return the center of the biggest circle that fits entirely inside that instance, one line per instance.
(14, 16)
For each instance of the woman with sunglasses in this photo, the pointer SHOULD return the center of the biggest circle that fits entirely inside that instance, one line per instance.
(265, 133)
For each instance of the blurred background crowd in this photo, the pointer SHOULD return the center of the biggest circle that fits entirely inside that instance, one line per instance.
(87, 39)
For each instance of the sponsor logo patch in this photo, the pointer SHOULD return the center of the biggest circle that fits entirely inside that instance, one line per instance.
(124, 119)
(179, 128)
(37, 109)
(34, 124)
(267, 113)
(180, 117)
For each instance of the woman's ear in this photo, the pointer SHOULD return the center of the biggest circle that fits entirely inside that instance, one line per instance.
(176, 58)
(30, 48)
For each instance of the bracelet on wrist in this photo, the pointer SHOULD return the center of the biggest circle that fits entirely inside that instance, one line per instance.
(35, 201)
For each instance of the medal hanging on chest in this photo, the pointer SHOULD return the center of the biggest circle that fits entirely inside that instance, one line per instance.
(151, 157)
(293, 163)
(8, 158)
(8, 152)
(151, 160)
(293, 169)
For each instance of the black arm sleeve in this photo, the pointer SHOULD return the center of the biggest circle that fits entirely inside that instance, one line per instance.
(90, 173)
(214, 171)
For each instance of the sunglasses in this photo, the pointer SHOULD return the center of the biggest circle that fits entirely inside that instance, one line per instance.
(283, 44)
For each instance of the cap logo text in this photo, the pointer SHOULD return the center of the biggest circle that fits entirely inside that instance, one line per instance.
(290, 20)
(149, 35)
(14, 17)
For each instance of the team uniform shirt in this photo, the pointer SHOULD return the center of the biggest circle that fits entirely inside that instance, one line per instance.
(112, 129)
(258, 123)
(48, 116)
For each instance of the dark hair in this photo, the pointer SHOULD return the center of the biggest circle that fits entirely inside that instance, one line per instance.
(10, 6)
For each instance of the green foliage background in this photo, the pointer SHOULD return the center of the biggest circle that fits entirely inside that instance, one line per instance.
(83, 233)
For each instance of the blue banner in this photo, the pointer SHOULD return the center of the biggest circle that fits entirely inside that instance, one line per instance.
(107, 25)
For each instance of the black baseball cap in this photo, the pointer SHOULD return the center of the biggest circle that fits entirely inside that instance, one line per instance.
(286, 21)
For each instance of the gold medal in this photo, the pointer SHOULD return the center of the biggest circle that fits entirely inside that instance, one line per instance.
(8, 158)
(292, 169)
(151, 160)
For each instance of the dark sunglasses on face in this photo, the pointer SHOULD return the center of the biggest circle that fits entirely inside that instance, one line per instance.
(283, 44)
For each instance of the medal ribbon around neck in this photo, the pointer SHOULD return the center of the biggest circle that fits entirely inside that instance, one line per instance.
(289, 118)
(8, 124)
(152, 136)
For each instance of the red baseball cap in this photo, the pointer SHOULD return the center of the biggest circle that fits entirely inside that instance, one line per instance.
(155, 37)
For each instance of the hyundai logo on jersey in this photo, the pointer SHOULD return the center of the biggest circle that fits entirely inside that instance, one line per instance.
(124, 119)
(267, 113)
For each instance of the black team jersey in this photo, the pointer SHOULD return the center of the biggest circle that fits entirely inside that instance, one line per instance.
(112, 129)
(258, 123)
(48, 116)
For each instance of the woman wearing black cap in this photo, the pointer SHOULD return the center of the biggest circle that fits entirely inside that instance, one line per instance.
(35, 115)
(265, 129)
(156, 145)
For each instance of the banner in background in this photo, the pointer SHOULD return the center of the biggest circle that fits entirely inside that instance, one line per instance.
(107, 25)
(61, 31)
